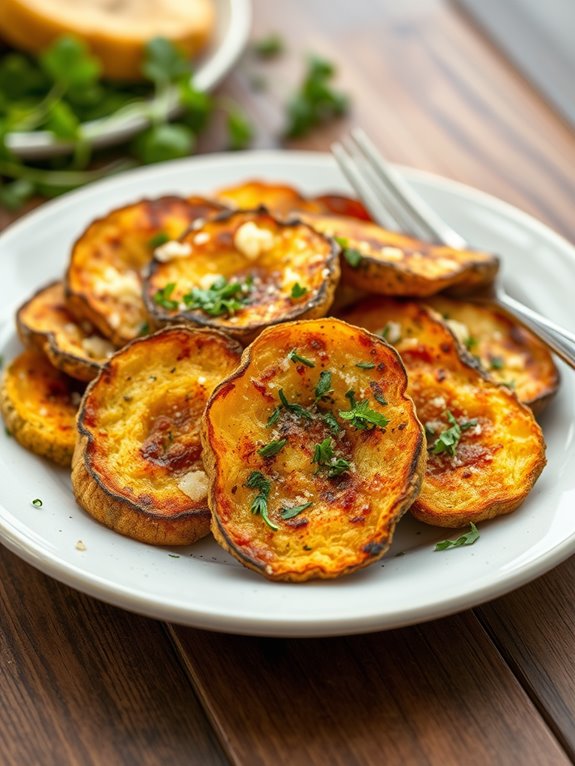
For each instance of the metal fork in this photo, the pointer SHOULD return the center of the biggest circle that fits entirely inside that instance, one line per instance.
(394, 205)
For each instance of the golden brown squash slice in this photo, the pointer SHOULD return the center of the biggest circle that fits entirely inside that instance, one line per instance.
(485, 449)
(103, 281)
(45, 322)
(313, 451)
(138, 466)
(280, 199)
(39, 406)
(283, 200)
(242, 271)
(510, 353)
(381, 261)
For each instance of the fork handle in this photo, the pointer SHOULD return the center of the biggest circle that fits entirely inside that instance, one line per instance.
(561, 341)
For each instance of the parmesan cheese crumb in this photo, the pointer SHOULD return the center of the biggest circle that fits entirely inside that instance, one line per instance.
(97, 348)
(392, 253)
(195, 485)
(119, 285)
(80, 546)
(172, 250)
(460, 330)
(252, 241)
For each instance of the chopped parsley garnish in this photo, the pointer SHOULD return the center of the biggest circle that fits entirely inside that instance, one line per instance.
(271, 449)
(158, 239)
(470, 342)
(496, 363)
(259, 506)
(295, 510)
(274, 417)
(221, 298)
(365, 365)
(324, 456)
(323, 385)
(269, 47)
(330, 420)
(298, 291)
(467, 539)
(295, 357)
(37, 503)
(448, 440)
(162, 297)
(361, 416)
(353, 257)
(297, 409)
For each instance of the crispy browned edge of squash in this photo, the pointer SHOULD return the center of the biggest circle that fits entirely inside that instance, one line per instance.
(372, 272)
(490, 509)
(79, 302)
(538, 403)
(26, 434)
(77, 367)
(313, 308)
(405, 500)
(118, 512)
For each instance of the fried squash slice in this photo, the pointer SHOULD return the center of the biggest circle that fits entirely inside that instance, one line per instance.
(76, 348)
(39, 406)
(243, 271)
(313, 451)
(285, 201)
(103, 280)
(137, 467)
(485, 449)
(381, 261)
(509, 352)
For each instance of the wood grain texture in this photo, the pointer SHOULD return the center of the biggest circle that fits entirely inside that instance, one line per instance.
(534, 629)
(435, 694)
(86, 683)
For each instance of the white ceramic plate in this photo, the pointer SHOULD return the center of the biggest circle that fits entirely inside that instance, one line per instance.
(233, 22)
(201, 585)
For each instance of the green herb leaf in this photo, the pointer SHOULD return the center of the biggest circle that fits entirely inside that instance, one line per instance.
(510, 384)
(365, 365)
(315, 101)
(467, 539)
(269, 47)
(295, 510)
(353, 257)
(222, 298)
(324, 456)
(271, 449)
(331, 422)
(496, 363)
(164, 142)
(470, 342)
(298, 291)
(448, 440)
(240, 129)
(274, 417)
(69, 63)
(297, 409)
(259, 506)
(323, 385)
(163, 62)
(162, 297)
(360, 414)
(158, 239)
(37, 503)
(295, 357)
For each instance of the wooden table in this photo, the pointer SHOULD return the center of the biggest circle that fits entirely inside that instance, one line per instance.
(85, 683)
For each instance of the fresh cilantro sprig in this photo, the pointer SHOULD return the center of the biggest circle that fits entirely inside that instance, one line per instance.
(315, 101)
(222, 298)
(360, 414)
(466, 539)
(448, 440)
(259, 506)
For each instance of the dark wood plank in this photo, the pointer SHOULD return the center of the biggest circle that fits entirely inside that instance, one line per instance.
(85, 683)
(534, 628)
(435, 694)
